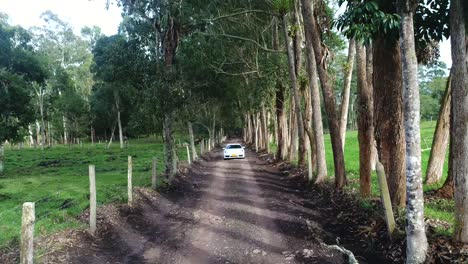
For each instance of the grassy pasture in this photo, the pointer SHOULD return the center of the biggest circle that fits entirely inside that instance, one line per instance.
(57, 180)
(437, 209)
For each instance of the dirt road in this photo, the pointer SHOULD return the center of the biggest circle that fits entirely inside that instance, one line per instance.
(222, 211)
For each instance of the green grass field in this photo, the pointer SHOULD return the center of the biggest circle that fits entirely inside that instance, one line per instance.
(57, 180)
(440, 209)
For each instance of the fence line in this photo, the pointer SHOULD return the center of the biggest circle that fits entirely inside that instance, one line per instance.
(29, 212)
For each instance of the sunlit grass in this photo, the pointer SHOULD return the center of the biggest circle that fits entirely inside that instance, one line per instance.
(432, 209)
(57, 180)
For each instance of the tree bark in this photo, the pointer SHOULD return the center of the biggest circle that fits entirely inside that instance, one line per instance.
(266, 135)
(369, 71)
(440, 141)
(298, 41)
(65, 130)
(192, 141)
(416, 240)
(459, 119)
(365, 119)
(347, 90)
(388, 116)
(213, 133)
(119, 122)
(297, 110)
(292, 136)
(315, 95)
(169, 157)
(329, 99)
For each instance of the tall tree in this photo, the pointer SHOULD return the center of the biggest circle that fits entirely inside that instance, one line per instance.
(440, 141)
(458, 166)
(365, 122)
(20, 67)
(347, 90)
(416, 240)
(328, 96)
(315, 94)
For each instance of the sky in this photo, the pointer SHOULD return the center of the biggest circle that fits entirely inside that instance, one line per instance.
(78, 13)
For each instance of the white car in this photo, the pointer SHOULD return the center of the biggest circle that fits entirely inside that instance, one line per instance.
(234, 151)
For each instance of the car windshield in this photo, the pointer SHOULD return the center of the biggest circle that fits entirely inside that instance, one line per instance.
(233, 147)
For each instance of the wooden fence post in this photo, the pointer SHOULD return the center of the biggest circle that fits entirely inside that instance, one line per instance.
(129, 180)
(385, 197)
(188, 154)
(92, 199)
(27, 234)
(153, 174)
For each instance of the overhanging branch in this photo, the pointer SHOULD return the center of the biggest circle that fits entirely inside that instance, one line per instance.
(244, 39)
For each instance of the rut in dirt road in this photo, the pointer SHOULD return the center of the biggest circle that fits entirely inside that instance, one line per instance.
(223, 211)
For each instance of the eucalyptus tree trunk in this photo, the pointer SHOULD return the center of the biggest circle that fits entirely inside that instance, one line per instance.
(297, 110)
(347, 90)
(170, 160)
(65, 130)
(170, 43)
(41, 109)
(292, 151)
(369, 71)
(266, 136)
(279, 104)
(119, 122)
(297, 51)
(416, 240)
(315, 95)
(459, 118)
(292, 135)
(439, 145)
(213, 129)
(365, 119)
(388, 116)
(328, 96)
(31, 139)
(38, 134)
(192, 141)
(2, 158)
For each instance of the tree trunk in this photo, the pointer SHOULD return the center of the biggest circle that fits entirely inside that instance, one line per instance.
(369, 71)
(328, 96)
(111, 138)
(120, 130)
(297, 45)
(440, 141)
(279, 101)
(192, 141)
(292, 137)
(169, 157)
(297, 110)
(347, 90)
(416, 240)
(213, 133)
(41, 109)
(2, 158)
(38, 134)
(365, 119)
(65, 130)
(30, 133)
(459, 119)
(315, 95)
(388, 116)
(266, 136)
